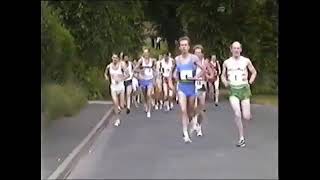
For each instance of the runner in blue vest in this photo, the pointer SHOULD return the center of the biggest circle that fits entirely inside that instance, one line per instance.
(185, 73)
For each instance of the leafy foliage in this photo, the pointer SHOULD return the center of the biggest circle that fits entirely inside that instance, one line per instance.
(251, 22)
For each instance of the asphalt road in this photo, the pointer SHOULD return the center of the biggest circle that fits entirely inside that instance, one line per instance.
(154, 148)
(60, 138)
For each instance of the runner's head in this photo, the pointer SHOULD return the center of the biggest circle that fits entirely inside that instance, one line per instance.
(121, 55)
(184, 44)
(166, 57)
(213, 58)
(125, 57)
(207, 59)
(236, 49)
(197, 50)
(146, 53)
(115, 58)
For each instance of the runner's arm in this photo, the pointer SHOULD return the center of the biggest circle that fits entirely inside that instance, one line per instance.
(223, 75)
(125, 71)
(170, 79)
(252, 71)
(203, 68)
(136, 68)
(154, 67)
(219, 68)
(209, 74)
(107, 73)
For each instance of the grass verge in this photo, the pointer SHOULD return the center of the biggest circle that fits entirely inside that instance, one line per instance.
(62, 100)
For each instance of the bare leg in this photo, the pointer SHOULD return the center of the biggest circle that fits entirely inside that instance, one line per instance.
(246, 113)
(216, 87)
(165, 94)
(149, 99)
(116, 105)
(128, 97)
(184, 115)
(191, 107)
(235, 104)
(201, 106)
(211, 91)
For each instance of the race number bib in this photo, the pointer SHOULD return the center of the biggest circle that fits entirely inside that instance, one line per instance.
(114, 82)
(184, 74)
(166, 72)
(199, 83)
(237, 77)
(148, 71)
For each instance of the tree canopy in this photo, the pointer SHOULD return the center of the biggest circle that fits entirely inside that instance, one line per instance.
(79, 37)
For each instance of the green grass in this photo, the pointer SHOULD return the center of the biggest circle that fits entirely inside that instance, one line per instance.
(265, 100)
(155, 52)
(62, 100)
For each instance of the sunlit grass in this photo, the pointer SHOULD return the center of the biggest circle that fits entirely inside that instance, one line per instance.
(265, 100)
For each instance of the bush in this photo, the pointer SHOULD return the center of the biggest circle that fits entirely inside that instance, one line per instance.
(57, 47)
(265, 84)
(92, 80)
(59, 101)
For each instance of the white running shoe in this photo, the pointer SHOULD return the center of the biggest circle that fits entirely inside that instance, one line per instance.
(117, 123)
(193, 125)
(168, 108)
(187, 139)
(199, 130)
(171, 105)
(156, 107)
(148, 114)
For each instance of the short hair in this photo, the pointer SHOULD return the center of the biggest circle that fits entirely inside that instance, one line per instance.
(236, 42)
(146, 49)
(114, 54)
(184, 38)
(198, 46)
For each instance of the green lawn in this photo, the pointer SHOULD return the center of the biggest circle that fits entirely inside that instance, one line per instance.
(255, 99)
(265, 100)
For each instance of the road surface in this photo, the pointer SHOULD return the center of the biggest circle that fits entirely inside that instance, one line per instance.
(154, 148)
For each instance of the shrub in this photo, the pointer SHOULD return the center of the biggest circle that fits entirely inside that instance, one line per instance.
(92, 80)
(62, 100)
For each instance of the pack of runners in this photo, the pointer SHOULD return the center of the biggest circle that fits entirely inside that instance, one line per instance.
(189, 80)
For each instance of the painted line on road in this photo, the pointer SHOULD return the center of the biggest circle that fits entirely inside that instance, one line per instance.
(100, 102)
(67, 165)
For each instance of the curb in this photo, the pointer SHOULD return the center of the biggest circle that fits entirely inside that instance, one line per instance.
(72, 159)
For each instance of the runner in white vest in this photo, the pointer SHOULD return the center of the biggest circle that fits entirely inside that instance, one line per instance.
(201, 87)
(158, 88)
(128, 82)
(216, 65)
(167, 65)
(146, 81)
(235, 76)
(115, 73)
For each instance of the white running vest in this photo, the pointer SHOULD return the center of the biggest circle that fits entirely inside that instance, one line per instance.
(129, 70)
(167, 67)
(200, 83)
(148, 71)
(237, 72)
(115, 74)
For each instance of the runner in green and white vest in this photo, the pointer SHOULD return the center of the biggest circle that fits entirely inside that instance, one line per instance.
(235, 76)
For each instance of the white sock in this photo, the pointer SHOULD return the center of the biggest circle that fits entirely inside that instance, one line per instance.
(241, 138)
(185, 133)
